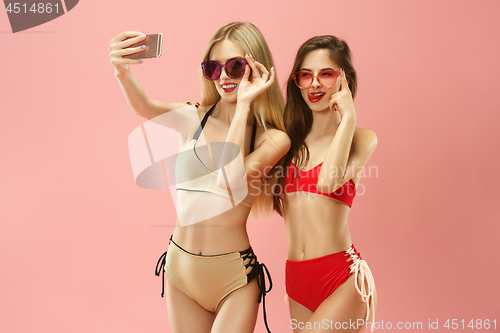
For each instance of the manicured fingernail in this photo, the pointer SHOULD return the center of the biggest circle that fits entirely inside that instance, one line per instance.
(143, 47)
(140, 61)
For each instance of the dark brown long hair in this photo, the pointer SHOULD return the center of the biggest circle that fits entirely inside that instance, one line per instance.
(298, 117)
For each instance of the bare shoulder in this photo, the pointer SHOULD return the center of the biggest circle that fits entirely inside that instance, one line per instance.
(203, 109)
(365, 139)
(279, 137)
(275, 137)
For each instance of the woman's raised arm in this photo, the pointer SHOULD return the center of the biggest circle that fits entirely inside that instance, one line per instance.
(136, 97)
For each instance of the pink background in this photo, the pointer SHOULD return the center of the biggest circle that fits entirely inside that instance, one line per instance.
(79, 240)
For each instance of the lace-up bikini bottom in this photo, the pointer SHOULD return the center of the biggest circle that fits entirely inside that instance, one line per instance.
(310, 282)
(208, 279)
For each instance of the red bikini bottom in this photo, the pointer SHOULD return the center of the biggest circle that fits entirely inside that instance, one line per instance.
(310, 282)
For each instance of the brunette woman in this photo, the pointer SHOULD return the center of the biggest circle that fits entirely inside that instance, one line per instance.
(328, 284)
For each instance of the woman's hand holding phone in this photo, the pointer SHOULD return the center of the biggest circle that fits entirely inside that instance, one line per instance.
(119, 47)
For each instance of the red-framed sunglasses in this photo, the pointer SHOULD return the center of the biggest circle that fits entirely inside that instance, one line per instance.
(235, 68)
(326, 78)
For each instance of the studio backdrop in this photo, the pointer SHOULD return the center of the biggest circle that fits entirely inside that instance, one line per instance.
(79, 240)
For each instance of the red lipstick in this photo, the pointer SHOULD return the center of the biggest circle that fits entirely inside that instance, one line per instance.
(228, 87)
(315, 96)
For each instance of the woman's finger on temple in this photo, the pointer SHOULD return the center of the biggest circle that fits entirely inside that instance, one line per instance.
(251, 63)
(345, 84)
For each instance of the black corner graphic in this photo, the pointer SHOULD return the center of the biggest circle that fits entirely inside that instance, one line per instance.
(70, 4)
(27, 14)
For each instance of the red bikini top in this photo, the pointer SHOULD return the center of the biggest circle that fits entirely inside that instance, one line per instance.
(306, 181)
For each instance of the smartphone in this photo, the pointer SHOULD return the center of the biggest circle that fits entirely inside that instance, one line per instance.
(153, 45)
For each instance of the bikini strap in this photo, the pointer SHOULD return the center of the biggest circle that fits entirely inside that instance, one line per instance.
(254, 130)
(203, 122)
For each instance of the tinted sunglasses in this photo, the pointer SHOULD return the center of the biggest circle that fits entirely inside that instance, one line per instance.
(235, 68)
(326, 78)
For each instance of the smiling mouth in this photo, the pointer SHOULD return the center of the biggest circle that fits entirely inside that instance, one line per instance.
(315, 97)
(228, 87)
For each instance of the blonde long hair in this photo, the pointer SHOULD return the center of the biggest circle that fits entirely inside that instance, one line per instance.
(267, 108)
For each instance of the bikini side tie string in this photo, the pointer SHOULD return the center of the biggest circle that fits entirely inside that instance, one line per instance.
(160, 268)
(359, 266)
(262, 271)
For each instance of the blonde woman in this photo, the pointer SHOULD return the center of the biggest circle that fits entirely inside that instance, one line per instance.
(214, 282)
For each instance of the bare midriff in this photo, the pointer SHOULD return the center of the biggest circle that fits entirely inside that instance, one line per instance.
(316, 225)
(224, 233)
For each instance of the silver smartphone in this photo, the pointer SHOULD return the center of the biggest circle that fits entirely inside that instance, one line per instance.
(153, 45)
